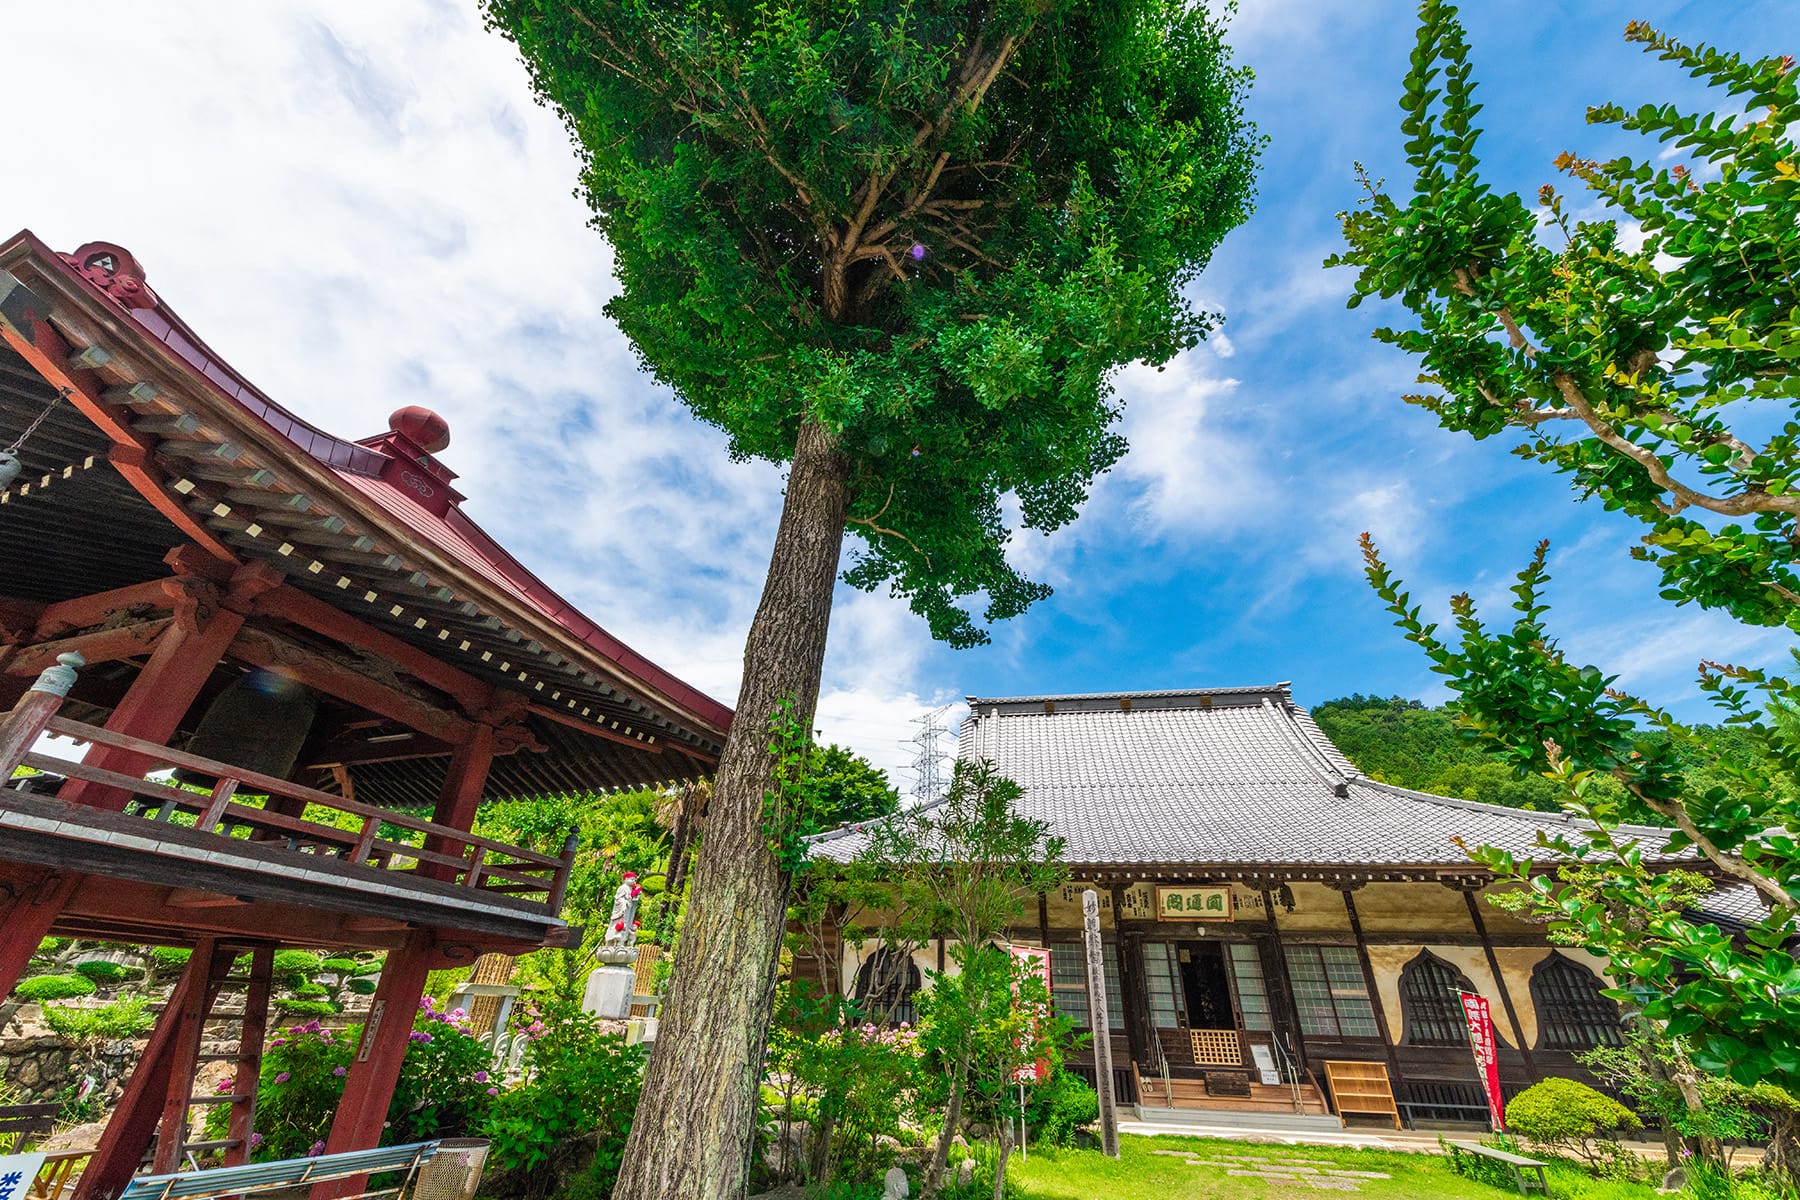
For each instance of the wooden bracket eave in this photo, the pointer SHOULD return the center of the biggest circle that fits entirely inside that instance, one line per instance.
(48, 353)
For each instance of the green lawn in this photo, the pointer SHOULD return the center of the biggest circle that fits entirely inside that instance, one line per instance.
(1200, 1170)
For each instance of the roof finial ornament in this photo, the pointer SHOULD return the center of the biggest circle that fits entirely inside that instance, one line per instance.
(115, 271)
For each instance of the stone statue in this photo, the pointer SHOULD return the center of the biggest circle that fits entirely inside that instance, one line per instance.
(894, 1185)
(621, 926)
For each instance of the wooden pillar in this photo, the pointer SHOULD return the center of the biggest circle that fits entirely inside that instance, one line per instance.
(1134, 992)
(1506, 1001)
(30, 913)
(145, 1097)
(460, 795)
(1368, 969)
(369, 1087)
(1283, 1012)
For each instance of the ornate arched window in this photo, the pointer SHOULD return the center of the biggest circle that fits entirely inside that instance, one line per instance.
(1571, 1012)
(1429, 1001)
(885, 985)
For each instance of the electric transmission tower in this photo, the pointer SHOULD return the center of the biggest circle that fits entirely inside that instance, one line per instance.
(928, 763)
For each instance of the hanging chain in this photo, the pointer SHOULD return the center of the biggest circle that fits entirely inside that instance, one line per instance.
(38, 420)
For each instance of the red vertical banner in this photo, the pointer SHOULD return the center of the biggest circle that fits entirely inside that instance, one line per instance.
(1487, 1059)
(1038, 960)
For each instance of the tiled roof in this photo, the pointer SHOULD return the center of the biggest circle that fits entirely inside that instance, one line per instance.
(1225, 777)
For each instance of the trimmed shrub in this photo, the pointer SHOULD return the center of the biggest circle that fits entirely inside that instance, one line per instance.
(343, 966)
(168, 958)
(1567, 1117)
(296, 962)
(306, 1008)
(122, 1019)
(42, 988)
(362, 986)
(101, 971)
(311, 991)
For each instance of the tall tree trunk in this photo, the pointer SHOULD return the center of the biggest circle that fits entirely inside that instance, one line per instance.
(692, 1136)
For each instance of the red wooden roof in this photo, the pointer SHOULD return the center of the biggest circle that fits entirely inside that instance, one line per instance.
(436, 535)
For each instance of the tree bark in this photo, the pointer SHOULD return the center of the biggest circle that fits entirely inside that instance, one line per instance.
(940, 1158)
(692, 1137)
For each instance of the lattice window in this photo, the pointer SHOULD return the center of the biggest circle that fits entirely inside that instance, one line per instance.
(1164, 978)
(1330, 994)
(1571, 1012)
(885, 985)
(1253, 992)
(1429, 1000)
(1068, 983)
(1217, 1048)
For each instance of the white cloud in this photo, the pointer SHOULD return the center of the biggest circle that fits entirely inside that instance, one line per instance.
(360, 207)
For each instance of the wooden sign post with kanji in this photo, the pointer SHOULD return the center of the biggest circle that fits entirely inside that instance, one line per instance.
(1096, 984)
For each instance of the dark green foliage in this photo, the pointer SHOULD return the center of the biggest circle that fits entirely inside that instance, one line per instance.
(362, 986)
(296, 962)
(343, 966)
(581, 1082)
(764, 172)
(442, 1091)
(101, 971)
(305, 1008)
(1060, 1107)
(125, 1018)
(40, 988)
(816, 788)
(1404, 743)
(1565, 1116)
(170, 958)
(851, 788)
(1619, 366)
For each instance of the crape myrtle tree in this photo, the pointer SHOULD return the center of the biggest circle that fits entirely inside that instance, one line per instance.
(901, 248)
(1650, 354)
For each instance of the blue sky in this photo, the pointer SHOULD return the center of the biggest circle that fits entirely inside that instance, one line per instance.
(361, 207)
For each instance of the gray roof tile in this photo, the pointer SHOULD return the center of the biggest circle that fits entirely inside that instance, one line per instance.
(1232, 776)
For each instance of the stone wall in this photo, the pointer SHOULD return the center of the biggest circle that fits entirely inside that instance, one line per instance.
(42, 1067)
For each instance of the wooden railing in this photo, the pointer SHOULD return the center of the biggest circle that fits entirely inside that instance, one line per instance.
(245, 804)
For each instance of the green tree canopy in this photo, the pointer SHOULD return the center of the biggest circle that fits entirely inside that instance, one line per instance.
(1652, 355)
(936, 229)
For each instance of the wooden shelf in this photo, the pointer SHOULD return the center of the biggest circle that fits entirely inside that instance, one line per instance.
(1362, 1088)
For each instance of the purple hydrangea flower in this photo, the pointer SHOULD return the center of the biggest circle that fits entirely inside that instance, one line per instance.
(481, 1077)
(318, 1148)
(340, 1072)
(284, 1077)
(493, 1091)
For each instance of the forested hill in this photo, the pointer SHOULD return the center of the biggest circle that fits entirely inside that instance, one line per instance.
(1402, 742)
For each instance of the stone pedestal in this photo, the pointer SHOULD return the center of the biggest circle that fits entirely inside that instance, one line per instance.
(609, 991)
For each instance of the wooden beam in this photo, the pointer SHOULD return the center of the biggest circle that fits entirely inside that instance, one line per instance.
(101, 645)
(48, 354)
(592, 729)
(190, 898)
(270, 650)
(290, 604)
(83, 612)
